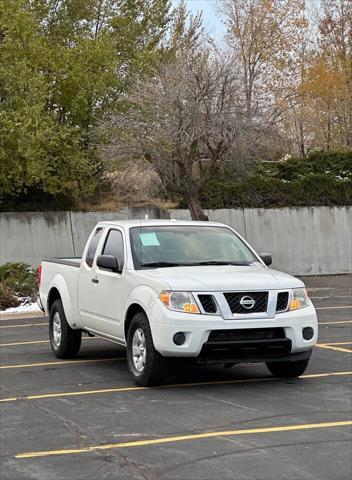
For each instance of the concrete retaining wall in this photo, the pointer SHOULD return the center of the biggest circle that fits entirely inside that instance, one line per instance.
(83, 223)
(29, 237)
(303, 241)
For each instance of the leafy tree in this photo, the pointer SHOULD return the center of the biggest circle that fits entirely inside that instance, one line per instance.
(64, 66)
(35, 150)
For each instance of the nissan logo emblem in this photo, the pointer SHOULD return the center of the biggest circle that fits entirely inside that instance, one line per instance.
(247, 302)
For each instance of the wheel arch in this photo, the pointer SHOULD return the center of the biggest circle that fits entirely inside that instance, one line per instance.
(54, 294)
(131, 312)
(59, 291)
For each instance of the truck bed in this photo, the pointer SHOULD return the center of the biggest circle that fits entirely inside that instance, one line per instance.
(61, 273)
(71, 261)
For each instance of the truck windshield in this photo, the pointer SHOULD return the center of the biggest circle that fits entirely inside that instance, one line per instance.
(171, 246)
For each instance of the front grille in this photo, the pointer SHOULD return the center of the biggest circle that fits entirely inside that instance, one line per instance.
(246, 334)
(234, 300)
(208, 303)
(282, 300)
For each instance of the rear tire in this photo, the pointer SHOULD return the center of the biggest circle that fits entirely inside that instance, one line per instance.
(65, 342)
(287, 369)
(146, 365)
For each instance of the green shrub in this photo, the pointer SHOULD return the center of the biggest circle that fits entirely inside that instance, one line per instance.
(321, 179)
(17, 280)
(7, 298)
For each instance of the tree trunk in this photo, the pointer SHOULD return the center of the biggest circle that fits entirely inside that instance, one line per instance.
(328, 135)
(302, 148)
(195, 208)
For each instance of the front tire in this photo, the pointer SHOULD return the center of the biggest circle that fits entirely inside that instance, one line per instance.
(146, 365)
(65, 342)
(287, 369)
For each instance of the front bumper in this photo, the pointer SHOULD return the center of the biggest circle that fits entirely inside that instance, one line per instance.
(262, 355)
(197, 328)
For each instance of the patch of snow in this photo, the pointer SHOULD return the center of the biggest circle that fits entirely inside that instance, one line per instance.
(24, 308)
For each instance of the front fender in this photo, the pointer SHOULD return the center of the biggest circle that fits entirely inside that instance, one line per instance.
(144, 296)
(59, 283)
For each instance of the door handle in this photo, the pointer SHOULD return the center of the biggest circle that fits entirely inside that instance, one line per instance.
(95, 280)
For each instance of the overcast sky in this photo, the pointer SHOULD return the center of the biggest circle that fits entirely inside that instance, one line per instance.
(212, 22)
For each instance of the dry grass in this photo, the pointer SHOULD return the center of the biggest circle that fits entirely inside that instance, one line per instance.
(134, 184)
(109, 203)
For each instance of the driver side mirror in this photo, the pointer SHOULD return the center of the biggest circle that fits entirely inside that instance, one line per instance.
(267, 258)
(109, 262)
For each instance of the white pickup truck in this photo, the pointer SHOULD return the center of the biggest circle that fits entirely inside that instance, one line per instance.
(167, 288)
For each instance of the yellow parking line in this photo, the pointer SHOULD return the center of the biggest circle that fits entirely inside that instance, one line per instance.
(331, 374)
(331, 323)
(184, 438)
(61, 362)
(176, 385)
(46, 323)
(333, 308)
(337, 349)
(34, 342)
(25, 325)
(15, 344)
(11, 399)
(14, 319)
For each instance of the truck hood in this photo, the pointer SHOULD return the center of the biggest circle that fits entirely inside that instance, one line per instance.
(222, 278)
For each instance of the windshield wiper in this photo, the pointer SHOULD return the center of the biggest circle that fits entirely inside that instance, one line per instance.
(195, 264)
(223, 262)
(163, 264)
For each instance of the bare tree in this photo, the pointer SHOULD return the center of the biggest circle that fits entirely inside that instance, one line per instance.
(184, 121)
(261, 34)
(336, 47)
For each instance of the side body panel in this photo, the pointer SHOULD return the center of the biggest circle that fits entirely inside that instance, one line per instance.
(65, 279)
(104, 296)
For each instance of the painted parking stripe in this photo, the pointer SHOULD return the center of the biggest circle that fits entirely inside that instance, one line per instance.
(61, 362)
(176, 385)
(24, 325)
(336, 349)
(333, 308)
(330, 297)
(331, 323)
(313, 289)
(14, 319)
(35, 342)
(184, 438)
(46, 323)
(16, 344)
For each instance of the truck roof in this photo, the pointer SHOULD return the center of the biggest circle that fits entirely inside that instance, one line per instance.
(156, 222)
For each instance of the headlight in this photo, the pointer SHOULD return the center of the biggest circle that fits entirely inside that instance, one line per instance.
(299, 298)
(179, 301)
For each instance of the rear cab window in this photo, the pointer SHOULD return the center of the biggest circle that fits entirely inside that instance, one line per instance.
(93, 245)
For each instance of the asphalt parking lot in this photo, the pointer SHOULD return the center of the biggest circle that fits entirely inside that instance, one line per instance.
(85, 419)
